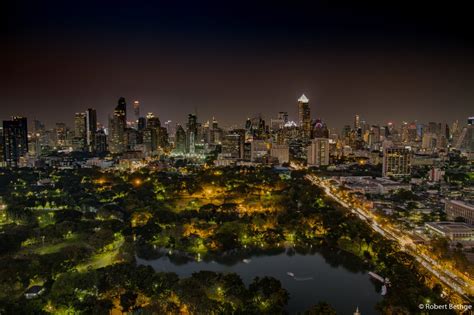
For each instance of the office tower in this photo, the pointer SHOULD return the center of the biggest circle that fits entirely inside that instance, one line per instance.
(136, 110)
(375, 133)
(141, 123)
(279, 122)
(61, 135)
(280, 152)
(318, 152)
(152, 121)
(15, 140)
(152, 132)
(213, 134)
(191, 133)
(396, 162)
(459, 209)
(117, 125)
(232, 145)
(80, 132)
(304, 116)
(346, 132)
(38, 126)
(180, 140)
(91, 128)
(163, 138)
(258, 150)
(465, 141)
(283, 116)
(2, 151)
(434, 127)
(357, 122)
(100, 141)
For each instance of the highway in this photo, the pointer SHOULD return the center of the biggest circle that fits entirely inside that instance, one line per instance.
(449, 278)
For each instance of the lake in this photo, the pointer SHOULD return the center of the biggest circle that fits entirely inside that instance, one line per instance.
(336, 278)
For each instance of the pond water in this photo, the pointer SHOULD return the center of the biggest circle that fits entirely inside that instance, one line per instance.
(336, 278)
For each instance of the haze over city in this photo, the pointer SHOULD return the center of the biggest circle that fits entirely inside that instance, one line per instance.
(236, 60)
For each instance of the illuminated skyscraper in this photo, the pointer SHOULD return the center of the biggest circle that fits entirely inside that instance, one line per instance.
(191, 133)
(136, 110)
(318, 152)
(304, 116)
(79, 140)
(15, 140)
(100, 141)
(356, 122)
(117, 125)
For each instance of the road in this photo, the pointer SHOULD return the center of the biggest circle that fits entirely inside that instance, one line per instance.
(448, 277)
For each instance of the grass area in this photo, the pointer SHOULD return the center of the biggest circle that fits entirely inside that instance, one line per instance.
(103, 259)
(48, 248)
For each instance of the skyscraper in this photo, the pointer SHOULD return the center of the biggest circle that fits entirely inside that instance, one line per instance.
(151, 133)
(79, 140)
(465, 141)
(117, 125)
(180, 140)
(15, 140)
(191, 133)
(396, 162)
(91, 128)
(100, 141)
(304, 116)
(356, 122)
(136, 110)
(318, 152)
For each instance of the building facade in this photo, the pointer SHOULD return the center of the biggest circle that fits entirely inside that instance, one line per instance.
(396, 162)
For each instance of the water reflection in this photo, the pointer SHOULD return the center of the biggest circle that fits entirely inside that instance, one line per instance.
(317, 274)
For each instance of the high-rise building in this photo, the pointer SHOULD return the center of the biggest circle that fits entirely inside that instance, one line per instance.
(15, 140)
(465, 141)
(357, 122)
(232, 145)
(191, 133)
(100, 142)
(258, 150)
(396, 162)
(91, 128)
(180, 140)
(61, 135)
(141, 124)
(280, 152)
(2, 156)
(117, 125)
(80, 132)
(279, 122)
(318, 152)
(136, 110)
(304, 116)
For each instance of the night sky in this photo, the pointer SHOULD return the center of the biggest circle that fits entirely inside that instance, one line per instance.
(235, 59)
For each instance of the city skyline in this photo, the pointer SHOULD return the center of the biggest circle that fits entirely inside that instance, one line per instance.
(292, 117)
